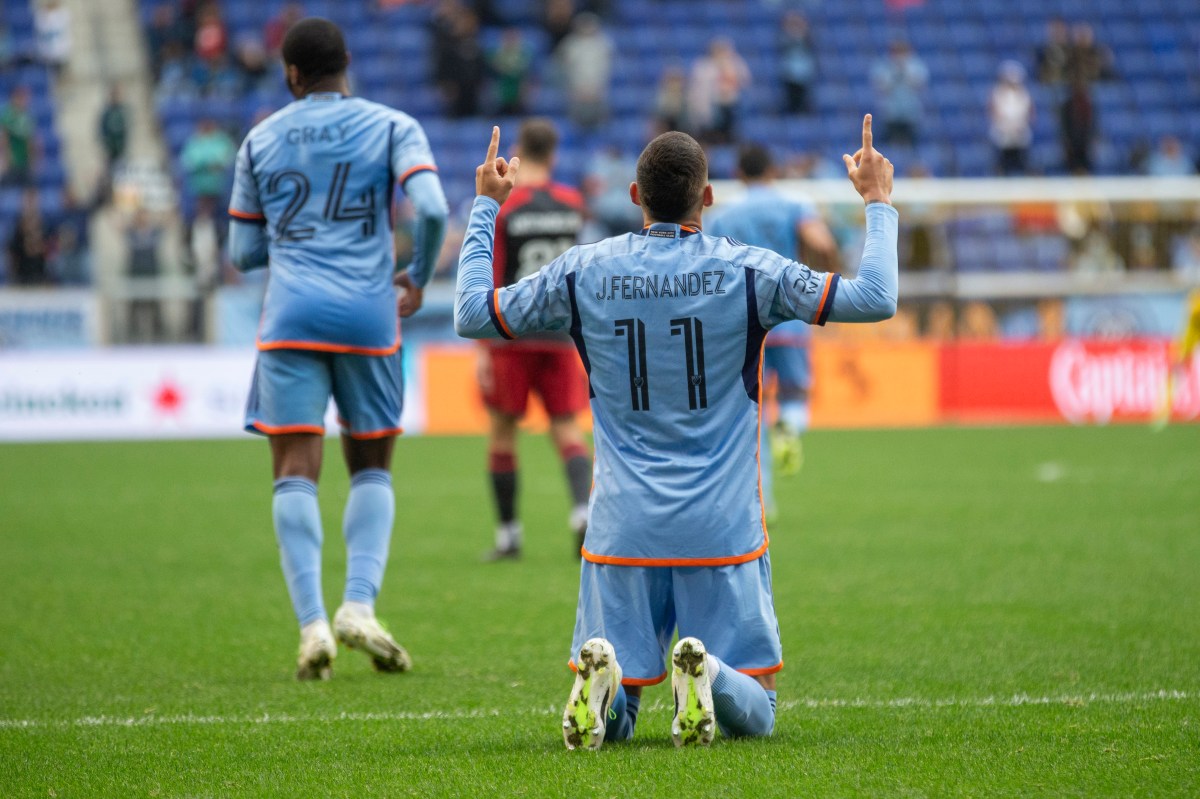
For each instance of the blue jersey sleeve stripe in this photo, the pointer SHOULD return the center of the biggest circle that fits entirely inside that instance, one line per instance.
(755, 334)
(827, 303)
(577, 332)
(497, 319)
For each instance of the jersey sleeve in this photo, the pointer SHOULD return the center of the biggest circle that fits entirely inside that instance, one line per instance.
(788, 290)
(540, 302)
(244, 203)
(410, 151)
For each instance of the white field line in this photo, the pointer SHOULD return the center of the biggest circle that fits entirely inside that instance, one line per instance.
(1014, 700)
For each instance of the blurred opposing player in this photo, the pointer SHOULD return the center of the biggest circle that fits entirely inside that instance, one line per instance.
(792, 227)
(670, 325)
(539, 221)
(313, 195)
(1188, 340)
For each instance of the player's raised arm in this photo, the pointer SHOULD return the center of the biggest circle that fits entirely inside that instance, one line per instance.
(474, 298)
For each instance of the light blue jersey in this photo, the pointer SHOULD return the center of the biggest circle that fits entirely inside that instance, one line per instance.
(670, 326)
(320, 175)
(765, 217)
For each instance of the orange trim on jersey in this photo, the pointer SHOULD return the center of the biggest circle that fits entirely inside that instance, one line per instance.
(824, 297)
(285, 429)
(414, 170)
(372, 434)
(762, 502)
(762, 672)
(246, 215)
(731, 560)
(321, 346)
(688, 228)
(631, 680)
(499, 314)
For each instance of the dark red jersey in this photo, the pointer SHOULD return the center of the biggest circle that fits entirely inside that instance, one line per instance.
(535, 225)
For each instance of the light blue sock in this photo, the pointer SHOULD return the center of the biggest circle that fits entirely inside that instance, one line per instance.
(622, 716)
(794, 414)
(742, 705)
(298, 529)
(367, 524)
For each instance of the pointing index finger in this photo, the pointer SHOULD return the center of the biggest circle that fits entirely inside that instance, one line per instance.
(867, 138)
(494, 146)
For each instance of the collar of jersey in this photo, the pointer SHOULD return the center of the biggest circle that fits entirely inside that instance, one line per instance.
(323, 97)
(679, 231)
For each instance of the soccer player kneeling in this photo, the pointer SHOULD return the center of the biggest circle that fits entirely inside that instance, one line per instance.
(669, 325)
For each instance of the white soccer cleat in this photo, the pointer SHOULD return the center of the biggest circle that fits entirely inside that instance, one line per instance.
(317, 651)
(694, 722)
(597, 678)
(357, 628)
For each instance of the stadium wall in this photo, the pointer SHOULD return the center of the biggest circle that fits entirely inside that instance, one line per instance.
(199, 392)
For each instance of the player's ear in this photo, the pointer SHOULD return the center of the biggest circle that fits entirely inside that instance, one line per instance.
(708, 196)
(633, 194)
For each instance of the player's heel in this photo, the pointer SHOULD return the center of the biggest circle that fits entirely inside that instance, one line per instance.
(597, 679)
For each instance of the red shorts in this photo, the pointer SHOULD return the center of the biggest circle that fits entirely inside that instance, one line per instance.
(554, 373)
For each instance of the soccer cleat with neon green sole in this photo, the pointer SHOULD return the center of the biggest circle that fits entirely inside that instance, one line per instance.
(597, 678)
(695, 723)
(786, 450)
(357, 628)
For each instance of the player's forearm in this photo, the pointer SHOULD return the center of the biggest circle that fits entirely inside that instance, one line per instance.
(429, 202)
(475, 279)
(871, 296)
(247, 245)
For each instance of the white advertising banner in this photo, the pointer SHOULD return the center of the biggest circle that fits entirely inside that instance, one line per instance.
(135, 393)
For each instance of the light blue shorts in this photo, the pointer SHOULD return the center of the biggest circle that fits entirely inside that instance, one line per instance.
(790, 363)
(291, 389)
(638, 608)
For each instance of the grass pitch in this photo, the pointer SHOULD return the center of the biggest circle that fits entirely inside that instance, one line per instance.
(965, 612)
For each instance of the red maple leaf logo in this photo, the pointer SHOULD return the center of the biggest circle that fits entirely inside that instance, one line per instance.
(168, 398)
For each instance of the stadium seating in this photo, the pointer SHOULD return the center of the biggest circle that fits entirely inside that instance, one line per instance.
(1156, 90)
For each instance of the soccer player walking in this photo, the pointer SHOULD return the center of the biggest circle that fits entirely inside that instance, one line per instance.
(670, 326)
(765, 217)
(312, 194)
(539, 221)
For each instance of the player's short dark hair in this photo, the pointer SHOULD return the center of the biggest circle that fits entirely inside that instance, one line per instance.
(316, 47)
(753, 161)
(537, 139)
(671, 175)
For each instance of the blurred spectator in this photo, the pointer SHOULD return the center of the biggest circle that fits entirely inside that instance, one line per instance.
(1169, 159)
(556, 21)
(1185, 256)
(225, 80)
(716, 91)
(585, 57)
(978, 322)
(797, 63)
(277, 27)
(510, 63)
(252, 60)
(1086, 58)
(1052, 319)
(1096, 254)
(458, 57)
(164, 29)
(206, 158)
(211, 37)
(1077, 118)
(1052, 56)
(145, 312)
(177, 78)
(670, 102)
(28, 245)
(52, 25)
(900, 79)
(205, 257)
(114, 128)
(1010, 111)
(18, 139)
(606, 187)
(70, 260)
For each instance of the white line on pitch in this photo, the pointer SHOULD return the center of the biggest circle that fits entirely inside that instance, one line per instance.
(1012, 700)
